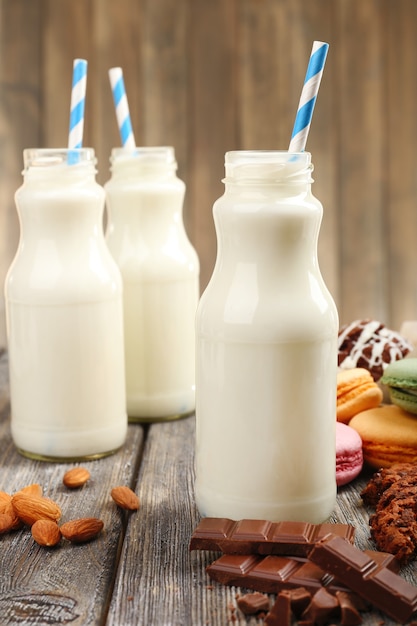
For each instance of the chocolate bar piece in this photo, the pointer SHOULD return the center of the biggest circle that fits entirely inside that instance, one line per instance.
(262, 537)
(280, 614)
(349, 615)
(289, 603)
(323, 607)
(271, 574)
(300, 599)
(252, 603)
(380, 586)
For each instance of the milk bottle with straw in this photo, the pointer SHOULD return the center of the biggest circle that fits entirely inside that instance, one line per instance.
(64, 307)
(160, 271)
(266, 342)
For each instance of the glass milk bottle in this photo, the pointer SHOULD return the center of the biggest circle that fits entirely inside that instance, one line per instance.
(64, 314)
(160, 271)
(266, 350)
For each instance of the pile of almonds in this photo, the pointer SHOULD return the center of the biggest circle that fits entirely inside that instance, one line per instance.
(31, 508)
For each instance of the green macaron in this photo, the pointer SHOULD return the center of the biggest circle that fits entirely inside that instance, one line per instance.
(401, 379)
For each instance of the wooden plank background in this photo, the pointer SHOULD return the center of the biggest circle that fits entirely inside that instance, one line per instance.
(207, 76)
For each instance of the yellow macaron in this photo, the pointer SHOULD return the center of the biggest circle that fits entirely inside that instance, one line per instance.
(389, 435)
(356, 392)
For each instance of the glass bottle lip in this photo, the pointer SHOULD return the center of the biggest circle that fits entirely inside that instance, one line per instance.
(41, 158)
(151, 155)
(268, 166)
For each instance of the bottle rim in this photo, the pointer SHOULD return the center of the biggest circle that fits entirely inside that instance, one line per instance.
(266, 156)
(149, 155)
(268, 166)
(54, 157)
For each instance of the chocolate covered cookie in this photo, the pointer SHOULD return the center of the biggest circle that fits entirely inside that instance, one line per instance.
(369, 344)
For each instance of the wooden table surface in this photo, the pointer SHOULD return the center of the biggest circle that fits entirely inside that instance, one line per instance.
(139, 571)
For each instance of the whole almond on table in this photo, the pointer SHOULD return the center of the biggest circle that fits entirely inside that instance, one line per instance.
(76, 477)
(6, 523)
(46, 532)
(5, 501)
(125, 498)
(6, 508)
(83, 529)
(32, 490)
(30, 508)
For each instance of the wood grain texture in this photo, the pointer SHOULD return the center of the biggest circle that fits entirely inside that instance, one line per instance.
(70, 583)
(362, 119)
(213, 116)
(400, 163)
(139, 572)
(208, 77)
(118, 32)
(159, 581)
(20, 116)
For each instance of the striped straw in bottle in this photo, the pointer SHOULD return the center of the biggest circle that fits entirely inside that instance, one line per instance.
(308, 97)
(122, 107)
(79, 85)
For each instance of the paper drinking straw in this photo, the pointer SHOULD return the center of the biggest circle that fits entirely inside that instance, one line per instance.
(122, 107)
(79, 85)
(308, 96)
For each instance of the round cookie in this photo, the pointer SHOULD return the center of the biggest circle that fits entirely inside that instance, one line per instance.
(369, 344)
(349, 457)
(389, 435)
(356, 392)
(401, 379)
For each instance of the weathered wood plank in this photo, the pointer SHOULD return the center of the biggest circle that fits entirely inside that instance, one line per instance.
(213, 76)
(20, 112)
(213, 117)
(362, 122)
(69, 583)
(400, 159)
(166, 81)
(118, 34)
(309, 22)
(275, 41)
(67, 35)
(159, 580)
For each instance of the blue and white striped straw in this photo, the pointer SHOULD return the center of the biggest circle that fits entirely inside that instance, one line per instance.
(122, 107)
(79, 86)
(308, 96)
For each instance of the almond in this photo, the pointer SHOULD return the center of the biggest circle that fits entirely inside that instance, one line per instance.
(46, 532)
(6, 523)
(31, 508)
(83, 529)
(5, 501)
(16, 521)
(6, 508)
(32, 490)
(125, 498)
(76, 477)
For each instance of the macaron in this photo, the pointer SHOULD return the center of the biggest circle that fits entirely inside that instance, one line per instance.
(401, 379)
(356, 392)
(349, 456)
(389, 435)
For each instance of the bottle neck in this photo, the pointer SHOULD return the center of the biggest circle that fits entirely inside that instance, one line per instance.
(59, 166)
(143, 163)
(60, 199)
(283, 172)
(268, 216)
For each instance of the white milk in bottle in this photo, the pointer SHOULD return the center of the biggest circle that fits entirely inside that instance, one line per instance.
(64, 314)
(160, 271)
(266, 350)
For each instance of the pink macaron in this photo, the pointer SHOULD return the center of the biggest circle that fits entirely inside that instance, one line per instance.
(349, 456)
